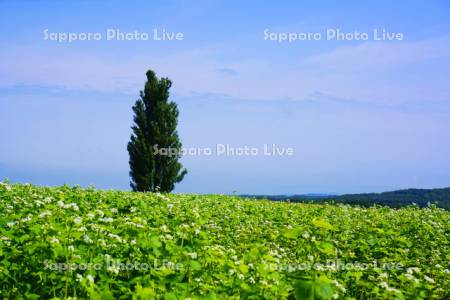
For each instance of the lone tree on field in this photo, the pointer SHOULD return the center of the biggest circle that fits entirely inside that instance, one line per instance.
(154, 147)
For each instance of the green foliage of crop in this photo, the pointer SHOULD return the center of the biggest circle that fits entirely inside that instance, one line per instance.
(70, 242)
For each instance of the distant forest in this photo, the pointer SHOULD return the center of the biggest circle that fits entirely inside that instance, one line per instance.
(420, 197)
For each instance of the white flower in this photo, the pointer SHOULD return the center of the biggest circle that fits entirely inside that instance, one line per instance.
(251, 280)
(231, 271)
(413, 270)
(45, 214)
(74, 206)
(90, 278)
(77, 220)
(10, 224)
(87, 239)
(392, 290)
(195, 212)
(133, 242)
(115, 236)
(114, 210)
(71, 248)
(90, 215)
(161, 196)
(192, 255)
(241, 276)
(79, 277)
(184, 226)
(102, 242)
(134, 224)
(26, 219)
(113, 269)
(47, 200)
(54, 240)
(412, 278)
(107, 220)
(429, 279)
(305, 235)
(319, 267)
(339, 286)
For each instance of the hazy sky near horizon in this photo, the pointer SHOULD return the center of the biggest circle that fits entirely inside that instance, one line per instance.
(361, 115)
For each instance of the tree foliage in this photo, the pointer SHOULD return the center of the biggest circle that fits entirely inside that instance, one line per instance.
(155, 127)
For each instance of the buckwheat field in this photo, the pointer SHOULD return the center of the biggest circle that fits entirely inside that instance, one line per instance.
(74, 243)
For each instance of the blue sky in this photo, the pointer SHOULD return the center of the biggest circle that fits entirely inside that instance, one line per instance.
(361, 116)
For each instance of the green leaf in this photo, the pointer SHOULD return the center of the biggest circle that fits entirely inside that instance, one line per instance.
(292, 233)
(243, 268)
(155, 242)
(195, 265)
(322, 224)
(326, 248)
(304, 290)
(170, 296)
(323, 288)
(107, 295)
(318, 289)
(211, 296)
(144, 293)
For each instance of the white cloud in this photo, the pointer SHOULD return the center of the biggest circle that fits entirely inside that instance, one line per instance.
(377, 56)
(359, 71)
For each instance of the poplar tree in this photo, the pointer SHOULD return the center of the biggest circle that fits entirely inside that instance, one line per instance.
(155, 127)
